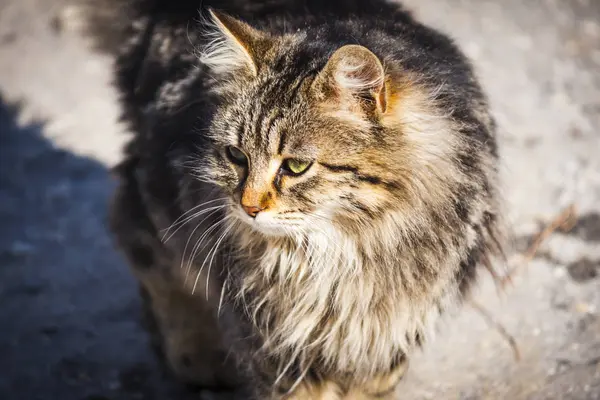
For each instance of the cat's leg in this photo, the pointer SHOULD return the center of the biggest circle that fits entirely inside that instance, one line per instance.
(186, 333)
(382, 387)
(183, 326)
(326, 390)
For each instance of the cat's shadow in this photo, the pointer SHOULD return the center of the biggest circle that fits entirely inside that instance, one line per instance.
(69, 310)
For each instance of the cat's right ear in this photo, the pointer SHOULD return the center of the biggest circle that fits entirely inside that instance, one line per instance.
(353, 79)
(236, 47)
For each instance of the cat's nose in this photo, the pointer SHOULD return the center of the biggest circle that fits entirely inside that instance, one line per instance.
(252, 210)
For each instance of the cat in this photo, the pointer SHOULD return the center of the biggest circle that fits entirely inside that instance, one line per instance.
(309, 187)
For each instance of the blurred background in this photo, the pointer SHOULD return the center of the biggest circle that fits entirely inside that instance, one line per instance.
(69, 315)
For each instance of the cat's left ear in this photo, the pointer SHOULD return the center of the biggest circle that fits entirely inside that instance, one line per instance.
(236, 48)
(353, 77)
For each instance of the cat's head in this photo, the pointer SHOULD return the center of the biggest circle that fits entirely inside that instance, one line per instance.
(302, 140)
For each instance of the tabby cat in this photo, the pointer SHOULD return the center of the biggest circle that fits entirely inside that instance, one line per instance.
(310, 185)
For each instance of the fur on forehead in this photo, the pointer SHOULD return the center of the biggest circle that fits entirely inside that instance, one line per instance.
(353, 78)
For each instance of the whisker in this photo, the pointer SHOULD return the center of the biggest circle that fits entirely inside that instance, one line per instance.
(190, 238)
(222, 296)
(197, 249)
(199, 213)
(213, 256)
(178, 220)
(214, 248)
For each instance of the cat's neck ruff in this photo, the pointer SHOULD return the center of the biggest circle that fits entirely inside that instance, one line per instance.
(350, 303)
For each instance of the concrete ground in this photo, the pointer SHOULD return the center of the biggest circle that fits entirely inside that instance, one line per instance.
(69, 314)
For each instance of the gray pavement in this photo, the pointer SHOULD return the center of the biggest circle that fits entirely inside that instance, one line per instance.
(69, 314)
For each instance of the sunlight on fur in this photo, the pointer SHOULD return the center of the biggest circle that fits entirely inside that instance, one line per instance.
(322, 189)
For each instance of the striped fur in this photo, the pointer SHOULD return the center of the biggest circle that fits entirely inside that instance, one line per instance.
(347, 266)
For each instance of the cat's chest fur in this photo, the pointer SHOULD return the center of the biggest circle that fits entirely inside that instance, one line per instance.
(326, 301)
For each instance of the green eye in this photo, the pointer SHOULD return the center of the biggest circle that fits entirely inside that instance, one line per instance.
(293, 166)
(236, 156)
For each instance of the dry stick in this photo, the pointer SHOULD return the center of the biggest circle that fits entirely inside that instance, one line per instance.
(565, 222)
(498, 326)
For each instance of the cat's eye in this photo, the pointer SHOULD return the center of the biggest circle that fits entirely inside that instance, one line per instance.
(237, 156)
(296, 167)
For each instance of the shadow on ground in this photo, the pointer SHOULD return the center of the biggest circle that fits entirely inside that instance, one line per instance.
(69, 312)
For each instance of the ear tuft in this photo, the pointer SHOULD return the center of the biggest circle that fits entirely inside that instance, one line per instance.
(235, 45)
(353, 73)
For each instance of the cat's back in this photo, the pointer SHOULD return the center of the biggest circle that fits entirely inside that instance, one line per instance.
(167, 33)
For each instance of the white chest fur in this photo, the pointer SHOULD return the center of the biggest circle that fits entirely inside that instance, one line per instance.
(329, 298)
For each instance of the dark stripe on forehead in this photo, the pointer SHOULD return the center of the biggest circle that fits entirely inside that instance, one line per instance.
(247, 122)
(275, 115)
(294, 88)
(256, 110)
(297, 85)
(263, 110)
(291, 96)
(267, 106)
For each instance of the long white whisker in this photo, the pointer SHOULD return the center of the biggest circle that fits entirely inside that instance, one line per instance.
(214, 248)
(196, 215)
(213, 256)
(178, 220)
(193, 209)
(197, 249)
(222, 296)
(190, 238)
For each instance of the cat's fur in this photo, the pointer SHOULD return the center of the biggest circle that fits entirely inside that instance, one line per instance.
(326, 291)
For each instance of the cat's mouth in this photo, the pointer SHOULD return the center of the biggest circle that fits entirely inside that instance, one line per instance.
(271, 223)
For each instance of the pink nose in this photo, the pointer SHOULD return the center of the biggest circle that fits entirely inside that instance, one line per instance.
(252, 210)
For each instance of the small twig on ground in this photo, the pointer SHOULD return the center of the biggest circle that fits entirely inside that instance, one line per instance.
(564, 221)
(491, 321)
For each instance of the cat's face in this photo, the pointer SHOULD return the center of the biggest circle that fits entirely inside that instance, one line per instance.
(276, 163)
(299, 152)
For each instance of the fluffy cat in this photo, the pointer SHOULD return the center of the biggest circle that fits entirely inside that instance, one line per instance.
(310, 185)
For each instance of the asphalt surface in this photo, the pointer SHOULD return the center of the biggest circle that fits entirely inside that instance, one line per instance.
(69, 314)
